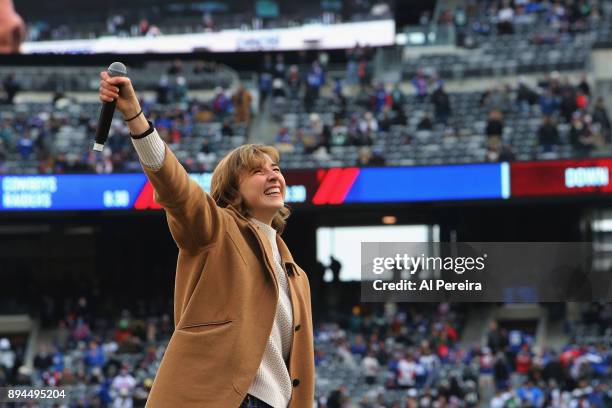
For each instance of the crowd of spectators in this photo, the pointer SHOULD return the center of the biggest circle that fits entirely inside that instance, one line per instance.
(557, 101)
(100, 361)
(388, 355)
(349, 113)
(546, 21)
(31, 135)
(411, 358)
(364, 116)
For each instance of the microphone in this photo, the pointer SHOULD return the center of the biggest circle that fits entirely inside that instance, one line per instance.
(108, 109)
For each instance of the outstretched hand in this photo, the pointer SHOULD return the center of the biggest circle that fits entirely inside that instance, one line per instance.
(121, 90)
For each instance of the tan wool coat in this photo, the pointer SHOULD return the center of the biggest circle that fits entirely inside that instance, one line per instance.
(225, 299)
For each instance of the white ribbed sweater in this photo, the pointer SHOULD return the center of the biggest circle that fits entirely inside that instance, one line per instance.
(272, 383)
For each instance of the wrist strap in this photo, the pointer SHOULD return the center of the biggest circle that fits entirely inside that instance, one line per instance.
(133, 117)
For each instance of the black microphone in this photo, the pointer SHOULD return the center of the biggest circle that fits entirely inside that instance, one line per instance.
(108, 109)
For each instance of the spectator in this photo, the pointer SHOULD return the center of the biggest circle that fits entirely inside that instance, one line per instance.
(95, 357)
(568, 104)
(496, 340)
(163, 90)
(525, 96)
(368, 125)
(501, 372)
(377, 158)
(180, 90)
(505, 19)
(548, 134)
(284, 141)
(315, 80)
(338, 398)
(370, 367)
(441, 102)
(177, 66)
(351, 67)
(531, 395)
(425, 123)
(581, 136)
(123, 388)
(265, 88)
(242, 105)
(201, 67)
(407, 371)
(385, 122)
(600, 116)
(226, 129)
(548, 103)
(221, 103)
(335, 266)
(279, 67)
(294, 82)
(496, 99)
(381, 99)
(7, 358)
(143, 27)
(397, 97)
(582, 101)
(11, 87)
(419, 82)
(25, 145)
(495, 129)
(583, 86)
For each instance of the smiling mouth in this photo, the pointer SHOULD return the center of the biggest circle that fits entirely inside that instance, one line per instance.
(272, 192)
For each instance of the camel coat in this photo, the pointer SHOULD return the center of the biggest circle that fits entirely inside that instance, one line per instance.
(224, 302)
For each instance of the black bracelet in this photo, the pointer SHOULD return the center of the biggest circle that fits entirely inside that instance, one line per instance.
(133, 117)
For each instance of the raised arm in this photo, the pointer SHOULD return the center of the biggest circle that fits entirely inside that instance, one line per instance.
(194, 218)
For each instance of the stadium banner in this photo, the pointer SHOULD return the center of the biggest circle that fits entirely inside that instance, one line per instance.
(513, 272)
(318, 187)
(306, 37)
(560, 177)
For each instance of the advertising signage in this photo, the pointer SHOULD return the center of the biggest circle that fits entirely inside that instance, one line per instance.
(560, 177)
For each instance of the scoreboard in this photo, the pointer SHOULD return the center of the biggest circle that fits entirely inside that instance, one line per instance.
(331, 186)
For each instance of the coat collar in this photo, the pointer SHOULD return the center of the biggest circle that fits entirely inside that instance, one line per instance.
(284, 252)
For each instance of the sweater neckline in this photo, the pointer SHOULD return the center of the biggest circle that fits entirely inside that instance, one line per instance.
(269, 230)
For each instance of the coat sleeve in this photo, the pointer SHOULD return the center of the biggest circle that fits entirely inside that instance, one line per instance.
(194, 219)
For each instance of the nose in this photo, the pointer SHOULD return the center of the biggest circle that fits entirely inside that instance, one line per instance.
(272, 175)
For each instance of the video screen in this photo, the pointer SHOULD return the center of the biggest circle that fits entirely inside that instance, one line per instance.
(338, 247)
(194, 26)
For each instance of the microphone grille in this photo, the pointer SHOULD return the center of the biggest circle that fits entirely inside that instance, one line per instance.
(117, 69)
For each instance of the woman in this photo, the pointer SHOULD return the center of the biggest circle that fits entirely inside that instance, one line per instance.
(242, 313)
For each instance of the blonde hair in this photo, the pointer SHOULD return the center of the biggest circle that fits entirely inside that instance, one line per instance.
(225, 182)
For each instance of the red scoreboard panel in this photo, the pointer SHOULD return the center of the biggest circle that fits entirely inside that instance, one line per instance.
(560, 177)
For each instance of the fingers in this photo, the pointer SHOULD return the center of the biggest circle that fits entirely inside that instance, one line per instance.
(116, 89)
(117, 81)
(108, 87)
(108, 91)
(104, 93)
(104, 98)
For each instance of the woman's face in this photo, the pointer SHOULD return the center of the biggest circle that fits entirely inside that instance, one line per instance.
(263, 190)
